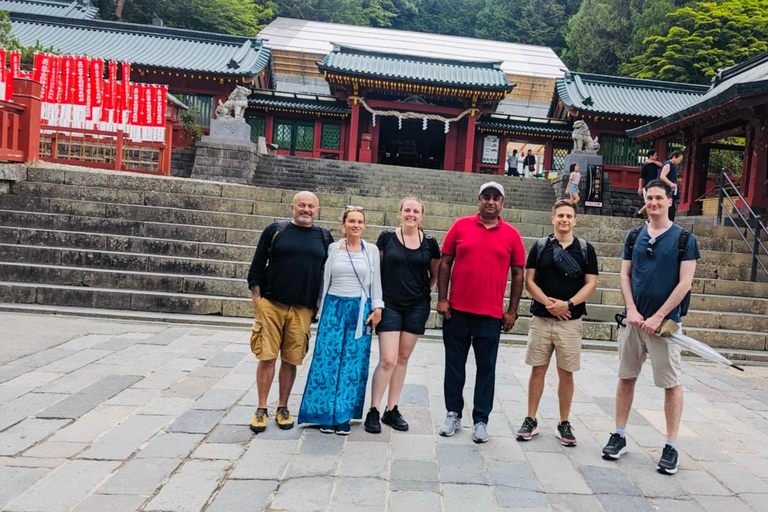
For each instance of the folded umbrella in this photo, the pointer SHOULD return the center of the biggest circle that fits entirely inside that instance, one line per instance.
(699, 348)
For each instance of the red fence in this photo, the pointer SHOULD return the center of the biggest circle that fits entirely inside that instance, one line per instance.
(10, 127)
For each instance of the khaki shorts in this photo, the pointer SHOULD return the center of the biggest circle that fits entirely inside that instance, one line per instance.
(635, 345)
(547, 335)
(281, 328)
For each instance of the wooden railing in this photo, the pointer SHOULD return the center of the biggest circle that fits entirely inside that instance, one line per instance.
(10, 130)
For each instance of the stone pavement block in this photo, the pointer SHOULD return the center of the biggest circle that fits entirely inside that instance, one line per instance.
(251, 495)
(574, 503)
(251, 465)
(226, 359)
(303, 465)
(133, 354)
(413, 447)
(189, 489)
(461, 463)
(116, 344)
(111, 502)
(276, 433)
(721, 503)
(734, 477)
(126, 438)
(79, 379)
(565, 480)
(191, 387)
(8, 393)
(27, 433)
(83, 401)
(408, 501)
(360, 435)
(317, 443)
(304, 494)
(460, 498)
(11, 372)
(165, 337)
(218, 399)
(757, 465)
(414, 475)
(166, 406)
(16, 480)
(34, 379)
(161, 379)
(171, 445)
(414, 395)
(509, 497)
(700, 482)
(231, 434)
(185, 364)
(33, 462)
(85, 342)
(359, 495)
(53, 449)
(641, 471)
(503, 449)
(75, 361)
(679, 505)
(24, 406)
(239, 415)
(623, 503)
(240, 381)
(756, 501)
(608, 481)
(197, 422)
(140, 477)
(133, 396)
(699, 449)
(512, 474)
(218, 451)
(365, 460)
(37, 360)
(63, 488)
(88, 427)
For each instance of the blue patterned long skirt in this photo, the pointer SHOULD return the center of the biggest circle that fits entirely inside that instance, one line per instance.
(335, 390)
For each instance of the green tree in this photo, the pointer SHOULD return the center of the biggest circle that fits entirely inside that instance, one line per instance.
(376, 13)
(9, 42)
(450, 17)
(499, 20)
(543, 23)
(599, 35)
(703, 39)
(652, 21)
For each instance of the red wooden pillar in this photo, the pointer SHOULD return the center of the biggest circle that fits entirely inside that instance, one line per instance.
(694, 180)
(317, 138)
(661, 149)
(354, 129)
(165, 166)
(26, 92)
(548, 156)
(758, 164)
(469, 152)
(451, 142)
(269, 128)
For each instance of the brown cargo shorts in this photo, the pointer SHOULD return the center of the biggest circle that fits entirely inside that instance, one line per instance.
(548, 335)
(280, 328)
(635, 345)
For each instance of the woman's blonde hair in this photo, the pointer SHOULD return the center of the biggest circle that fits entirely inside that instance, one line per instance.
(349, 210)
(405, 200)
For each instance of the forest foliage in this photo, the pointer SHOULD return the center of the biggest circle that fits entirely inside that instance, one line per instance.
(680, 40)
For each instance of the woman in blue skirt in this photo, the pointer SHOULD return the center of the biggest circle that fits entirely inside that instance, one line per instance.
(350, 308)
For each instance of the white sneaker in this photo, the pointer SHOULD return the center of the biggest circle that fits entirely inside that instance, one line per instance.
(451, 426)
(480, 433)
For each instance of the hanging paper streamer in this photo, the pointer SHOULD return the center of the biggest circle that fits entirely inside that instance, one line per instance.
(374, 119)
(399, 122)
(447, 126)
(424, 124)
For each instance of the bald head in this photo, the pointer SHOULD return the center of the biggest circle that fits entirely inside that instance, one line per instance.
(305, 207)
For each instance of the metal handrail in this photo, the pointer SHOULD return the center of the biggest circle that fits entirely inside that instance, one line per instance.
(755, 231)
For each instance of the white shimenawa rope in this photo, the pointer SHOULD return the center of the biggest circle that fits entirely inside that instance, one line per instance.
(414, 115)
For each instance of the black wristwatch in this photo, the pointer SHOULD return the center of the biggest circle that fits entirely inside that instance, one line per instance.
(570, 305)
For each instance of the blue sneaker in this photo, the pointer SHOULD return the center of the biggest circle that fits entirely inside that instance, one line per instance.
(327, 429)
(344, 429)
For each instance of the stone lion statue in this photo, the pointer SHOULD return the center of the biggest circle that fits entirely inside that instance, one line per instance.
(582, 139)
(235, 106)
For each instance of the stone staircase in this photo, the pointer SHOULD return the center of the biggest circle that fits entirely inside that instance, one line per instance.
(133, 243)
(375, 180)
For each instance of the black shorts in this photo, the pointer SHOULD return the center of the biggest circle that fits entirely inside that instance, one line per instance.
(410, 320)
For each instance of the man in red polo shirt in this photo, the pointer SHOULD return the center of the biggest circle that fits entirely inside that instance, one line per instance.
(481, 249)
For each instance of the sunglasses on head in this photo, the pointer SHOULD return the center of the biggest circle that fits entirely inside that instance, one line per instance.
(355, 208)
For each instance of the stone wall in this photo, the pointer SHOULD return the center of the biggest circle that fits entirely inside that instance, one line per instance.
(182, 162)
(625, 202)
(10, 173)
(225, 162)
(617, 202)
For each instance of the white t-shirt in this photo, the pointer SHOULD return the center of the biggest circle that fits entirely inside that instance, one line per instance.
(575, 177)
(344, 282)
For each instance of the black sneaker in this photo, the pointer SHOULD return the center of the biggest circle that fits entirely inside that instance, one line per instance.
(344, 429)
(565, 434)
(394, 419)
(668, 461)
(616, 446)
(528, 430)
(372, 423)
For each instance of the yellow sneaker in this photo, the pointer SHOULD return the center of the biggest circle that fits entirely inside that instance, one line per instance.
(283, 418)
(259, 421)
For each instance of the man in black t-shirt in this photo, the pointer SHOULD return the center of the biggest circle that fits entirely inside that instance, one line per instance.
(648, 173)
(559, 293)
(285, 279)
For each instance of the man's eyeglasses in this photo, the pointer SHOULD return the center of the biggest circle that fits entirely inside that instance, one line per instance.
(353, 207)
(649, 249)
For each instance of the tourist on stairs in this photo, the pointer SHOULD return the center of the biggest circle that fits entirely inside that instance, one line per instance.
(409, 263)
(350, 307)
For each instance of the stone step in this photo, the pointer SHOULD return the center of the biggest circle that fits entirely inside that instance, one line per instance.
(140, 300)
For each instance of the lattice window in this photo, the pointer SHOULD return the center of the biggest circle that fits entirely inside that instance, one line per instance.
(305, 136)
(203, 103)
(283, 134)
(331, 136)
(675, 146)
(258, 126)
(618, 150)
(558, 159)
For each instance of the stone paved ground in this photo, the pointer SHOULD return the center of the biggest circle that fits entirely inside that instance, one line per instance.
(154, 417)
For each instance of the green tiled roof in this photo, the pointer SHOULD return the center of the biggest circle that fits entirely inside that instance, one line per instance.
(75, 9)
(423, 70)
(514, 124)
(144, 45)
(623, 96)
(745, 79)
(305, 102)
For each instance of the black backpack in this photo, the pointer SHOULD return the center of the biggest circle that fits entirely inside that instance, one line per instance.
(682, 243)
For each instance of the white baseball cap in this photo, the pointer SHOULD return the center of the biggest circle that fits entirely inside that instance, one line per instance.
(492, 184)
